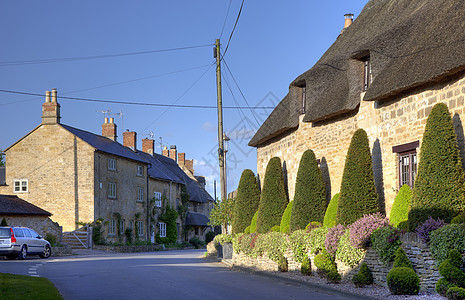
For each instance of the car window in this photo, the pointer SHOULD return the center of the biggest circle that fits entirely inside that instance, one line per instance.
(27, 233)
(34, 234)
(4, 232)
(18, 232)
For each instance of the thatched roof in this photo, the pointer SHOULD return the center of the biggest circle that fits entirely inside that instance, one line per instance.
(411, 43)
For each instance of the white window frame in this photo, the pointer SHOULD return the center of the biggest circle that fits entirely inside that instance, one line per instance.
(112, 164)
(162, 229)
(157, 196)
(121, 226)
(140, 228)
(131, 224)
(112, 190)
(140, 170)
(112, 227)
(140, 194)
(23, 185)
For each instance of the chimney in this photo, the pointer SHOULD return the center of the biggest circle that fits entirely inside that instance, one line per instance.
(173, 152)
(148, 146)
(51, 108)
(130, 139)
(165, 152)
(189, 163)
(349, 19)
(181, 159)
(109, 129)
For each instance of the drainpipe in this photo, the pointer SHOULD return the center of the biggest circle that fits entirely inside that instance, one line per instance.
(149, 166)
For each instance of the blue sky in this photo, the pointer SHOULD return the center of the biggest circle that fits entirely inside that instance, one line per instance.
(274, 42)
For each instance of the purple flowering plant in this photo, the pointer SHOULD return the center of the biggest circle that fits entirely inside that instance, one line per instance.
(361, 230)
(429, 225)
(332, 238)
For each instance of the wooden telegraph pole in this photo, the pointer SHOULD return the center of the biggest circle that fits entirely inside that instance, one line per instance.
(220, 121)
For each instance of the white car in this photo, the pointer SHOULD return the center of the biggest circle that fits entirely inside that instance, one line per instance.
(19, 242)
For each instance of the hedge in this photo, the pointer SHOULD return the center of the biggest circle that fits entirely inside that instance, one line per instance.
(399, 211)
(286, 218)
(246, 202)
(331, 212)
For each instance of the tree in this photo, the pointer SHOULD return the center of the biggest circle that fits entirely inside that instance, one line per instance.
(439, 187)
(246, 202)
(358, 193)
(222, 213)
(2, 163)
(273, 199)
(399, 211)
(286, 218)
(310, 193)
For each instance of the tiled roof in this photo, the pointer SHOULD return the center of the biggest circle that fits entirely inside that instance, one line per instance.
(196, 219)
(158, 169)
(12, 205)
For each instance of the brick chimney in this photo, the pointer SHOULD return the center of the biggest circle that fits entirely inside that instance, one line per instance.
(109, 129)
(181, 159)
(189, 163)
(165, 152)
(173, 152)
(51, 108)
(148, 146)
(130, 139)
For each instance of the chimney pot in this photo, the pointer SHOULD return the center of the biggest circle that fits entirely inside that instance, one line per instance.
(51, 108)
(349, 19)
(47, 96)
(109, 129)
(106, 120)
(173, 153)
(112, 120)
(130, 139)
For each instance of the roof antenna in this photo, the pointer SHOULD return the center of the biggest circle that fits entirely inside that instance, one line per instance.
(119, 114)
(104, 112)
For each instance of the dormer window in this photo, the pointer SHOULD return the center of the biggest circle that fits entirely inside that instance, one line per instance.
(366, 73)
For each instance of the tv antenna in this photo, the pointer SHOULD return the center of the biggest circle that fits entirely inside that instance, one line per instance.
(104, 112)
(119, 114)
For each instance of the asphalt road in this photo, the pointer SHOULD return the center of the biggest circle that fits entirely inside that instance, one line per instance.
(156, 275)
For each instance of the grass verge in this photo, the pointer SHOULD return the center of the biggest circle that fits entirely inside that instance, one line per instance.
(27, 287)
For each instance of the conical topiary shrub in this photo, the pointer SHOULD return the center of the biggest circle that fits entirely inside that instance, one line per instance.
(246, 202)
(286, 218)
(310, 193)
(273, 199)
(439, 187)
(358, 193)
(399, 211)
(331, 212)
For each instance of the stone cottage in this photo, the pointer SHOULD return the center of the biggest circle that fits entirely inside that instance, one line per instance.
(383, 73)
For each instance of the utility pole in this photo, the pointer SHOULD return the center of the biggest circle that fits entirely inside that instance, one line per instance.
(217, 55)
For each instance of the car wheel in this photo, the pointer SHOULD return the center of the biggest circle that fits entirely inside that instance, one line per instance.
(22, 253)
(47, 252)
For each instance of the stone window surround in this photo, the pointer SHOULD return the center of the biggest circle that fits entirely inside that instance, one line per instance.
(112, 227)
(121, 226)
(404, 150)
(162, 229)
(111, 164)
(140, 228)
(22, 183)
(157, 196)
(140, 170)
(140, 194)
(112, 190)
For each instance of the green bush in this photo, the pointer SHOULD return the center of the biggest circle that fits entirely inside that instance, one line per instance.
(363, 277)
(128, 233)
(274, 244)
(310, 193)
(399, 211)
(460, 219)
(439, 186)
(235, 240)
(386, 241)
(275, 228)
(246, 202)
(324, 262)
(403, 281)
(273, 200)
(286, 218)
(442, 286)
(209, 236)
(306, 266)
(222, 238)
(331, 212)
(169, 217)
(298, 242)
(447, 237)
(312, 225)
(316, 240)
(455, 258)
(253, 223)
(196, 242)
(456, 293)
(3, 223)
(401, 260)
(347, 253)
(282, 263)
(247, 230)
(52, 239)
(333, 276)
(358, 193)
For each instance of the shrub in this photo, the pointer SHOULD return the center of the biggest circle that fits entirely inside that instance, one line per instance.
(298, 242)
(274, 244)
(455, 293)
(429, 225)
(246, 202)
(52, 239)
(128, 234)
(439, 186)
(452, 273)
(324, 262)
(196, 242)
(332, 238)
(363, 277)
(306, 266)
(253, 223)
(275, 228)
(442, 286)
(401, 260)
(358, 192)
(316, 240)
(273, 200)
(333, 276)
(386, 241)
(247, 230)
(3, 223)
(348, 254)
(455, 258)
(446, 238)
(399, 211)
(282, 263)
(209, 236)
(286, 218)
(169, 217)
(310, 193)
(313, 225)
(403, 281)
(331, 212)
(236, 241)
(223, 238)
(460, 219)
(361, 230)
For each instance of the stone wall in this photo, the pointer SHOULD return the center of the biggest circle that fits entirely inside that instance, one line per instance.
(42, 225)
(397, 121)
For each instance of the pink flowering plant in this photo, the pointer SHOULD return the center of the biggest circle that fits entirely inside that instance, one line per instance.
(332, 238)
(361, 230)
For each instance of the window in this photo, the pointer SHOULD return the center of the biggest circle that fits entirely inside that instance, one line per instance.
(131, 224)
(178, 201)
(366, 73)
(140, 228)
(140, 194)
(112, 164)
(112, 227)
(112, 190)
(20, 186)
(162, 229)
(408, 162)
(157, 196)
(18, 232)
(121, 226)
(140, 170)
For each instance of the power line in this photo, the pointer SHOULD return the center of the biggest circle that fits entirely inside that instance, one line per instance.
(232, 32)
(67, 59)
(225, 18)
(126, 102)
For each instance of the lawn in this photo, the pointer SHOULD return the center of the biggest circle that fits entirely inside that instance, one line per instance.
(27, 287)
